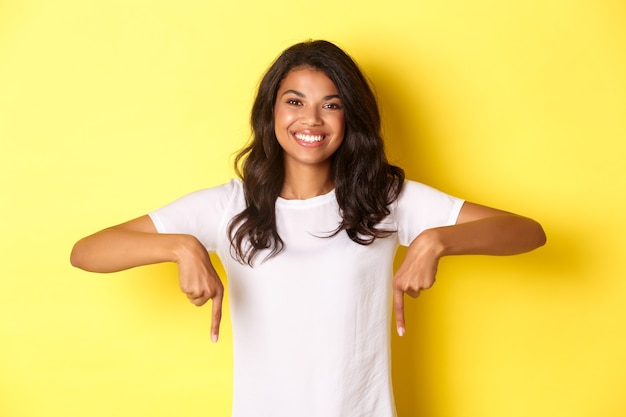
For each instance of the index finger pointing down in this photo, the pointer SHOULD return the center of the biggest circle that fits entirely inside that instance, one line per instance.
(216, 316)
(398, 308)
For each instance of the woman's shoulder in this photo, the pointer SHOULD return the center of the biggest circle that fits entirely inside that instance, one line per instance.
(233, 187)
(221, 195)
(417, 193)
(411, 188)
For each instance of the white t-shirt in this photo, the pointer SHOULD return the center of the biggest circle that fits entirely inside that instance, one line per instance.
(311, 326)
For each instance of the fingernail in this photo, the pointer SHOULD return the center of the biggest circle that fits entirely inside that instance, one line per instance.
(400, 331)
(214, 338)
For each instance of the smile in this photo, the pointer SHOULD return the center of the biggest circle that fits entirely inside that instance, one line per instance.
(309, 138)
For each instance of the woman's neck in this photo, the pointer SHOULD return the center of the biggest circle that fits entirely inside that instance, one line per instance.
(306, 182)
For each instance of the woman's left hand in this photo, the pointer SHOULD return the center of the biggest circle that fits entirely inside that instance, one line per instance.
(478, 230)
(416, 273)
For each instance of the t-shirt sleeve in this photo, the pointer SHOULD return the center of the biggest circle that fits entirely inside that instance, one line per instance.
(200, 214)
(420, 207)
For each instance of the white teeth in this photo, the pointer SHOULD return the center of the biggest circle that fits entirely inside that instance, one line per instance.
(309, 138)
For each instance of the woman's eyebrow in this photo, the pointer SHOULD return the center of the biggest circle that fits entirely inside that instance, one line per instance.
(302, 95)
(295, 92)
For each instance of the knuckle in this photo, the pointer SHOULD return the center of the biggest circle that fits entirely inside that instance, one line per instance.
(414, 293)
(400, 285)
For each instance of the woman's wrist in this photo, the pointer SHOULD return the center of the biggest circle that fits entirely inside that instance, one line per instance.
(183, 246)
(431, 242)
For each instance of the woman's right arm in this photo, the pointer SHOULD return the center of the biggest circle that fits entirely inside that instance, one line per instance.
(127, 245)
(137, 243)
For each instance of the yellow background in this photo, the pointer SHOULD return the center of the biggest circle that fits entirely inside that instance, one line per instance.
(109, 109)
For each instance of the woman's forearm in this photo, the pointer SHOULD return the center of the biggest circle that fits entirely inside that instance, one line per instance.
(116, 249)
(503, 234)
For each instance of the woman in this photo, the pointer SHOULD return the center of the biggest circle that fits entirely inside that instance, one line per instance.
(307, 237)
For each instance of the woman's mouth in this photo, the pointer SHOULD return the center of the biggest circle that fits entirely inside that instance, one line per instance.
(304, 137)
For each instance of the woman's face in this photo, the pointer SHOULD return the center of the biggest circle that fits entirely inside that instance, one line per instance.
(308, 118)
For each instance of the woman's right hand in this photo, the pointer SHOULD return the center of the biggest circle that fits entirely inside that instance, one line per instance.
(137, 243)
(199, 280)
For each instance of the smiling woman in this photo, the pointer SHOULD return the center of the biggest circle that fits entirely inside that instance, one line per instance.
(365, 182)
(307, 237)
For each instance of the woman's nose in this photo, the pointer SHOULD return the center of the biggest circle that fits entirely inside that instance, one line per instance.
(311, 116)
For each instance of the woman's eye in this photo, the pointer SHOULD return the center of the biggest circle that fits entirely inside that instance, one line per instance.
(294, 102)
(332, 106)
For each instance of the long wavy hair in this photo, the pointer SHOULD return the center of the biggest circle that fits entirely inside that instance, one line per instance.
(365, 183)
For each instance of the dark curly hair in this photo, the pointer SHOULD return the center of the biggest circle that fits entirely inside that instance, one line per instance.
(365, 183)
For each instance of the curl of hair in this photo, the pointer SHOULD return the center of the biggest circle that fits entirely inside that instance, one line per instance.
(365, 183)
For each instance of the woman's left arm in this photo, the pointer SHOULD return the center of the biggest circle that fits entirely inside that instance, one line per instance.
(479, 230)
